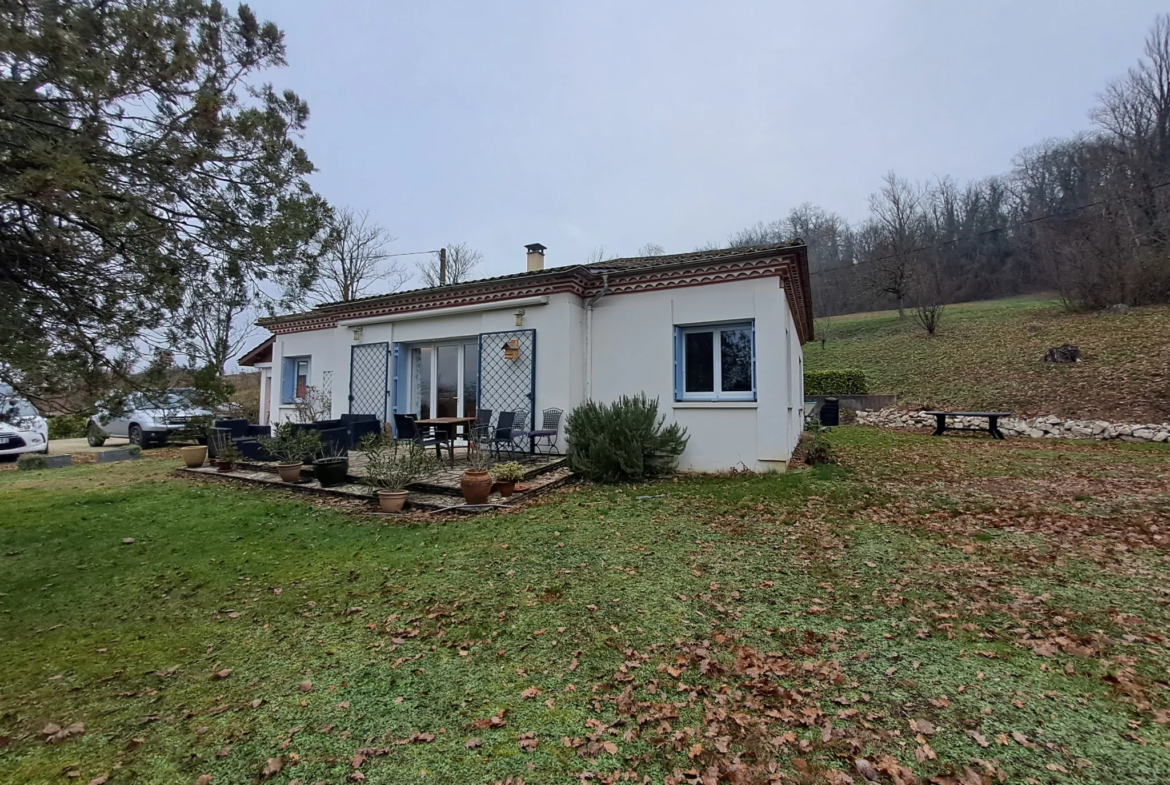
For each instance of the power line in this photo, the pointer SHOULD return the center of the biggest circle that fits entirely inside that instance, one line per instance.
(413, 253)
(986, 232)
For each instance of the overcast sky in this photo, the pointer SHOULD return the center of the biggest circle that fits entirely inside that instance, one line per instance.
(579, 124)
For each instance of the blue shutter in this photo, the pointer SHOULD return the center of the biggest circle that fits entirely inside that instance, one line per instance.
(288, 380)
(398, 388)
(754, 394)
(678, 365)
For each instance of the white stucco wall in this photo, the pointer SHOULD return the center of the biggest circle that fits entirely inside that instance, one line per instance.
(633, 350)
(558, 336)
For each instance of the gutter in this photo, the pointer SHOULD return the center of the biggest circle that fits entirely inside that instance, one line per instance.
(498, 305)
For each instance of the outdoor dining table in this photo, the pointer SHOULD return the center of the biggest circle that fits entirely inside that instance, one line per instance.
(448, 424)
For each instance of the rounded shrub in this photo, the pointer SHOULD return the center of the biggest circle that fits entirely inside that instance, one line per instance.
(623, 441)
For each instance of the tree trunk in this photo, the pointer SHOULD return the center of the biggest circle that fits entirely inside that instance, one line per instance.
(901, 308)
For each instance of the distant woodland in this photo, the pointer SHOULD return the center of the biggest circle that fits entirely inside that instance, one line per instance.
(1087, 217)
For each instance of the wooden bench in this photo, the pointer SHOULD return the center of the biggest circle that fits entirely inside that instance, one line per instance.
(992, 422)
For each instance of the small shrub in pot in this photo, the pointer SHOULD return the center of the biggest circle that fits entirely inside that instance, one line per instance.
(331, 464)
(226, 455)
(476, 483)
(506, 476)
(392, 465)
(290, 446)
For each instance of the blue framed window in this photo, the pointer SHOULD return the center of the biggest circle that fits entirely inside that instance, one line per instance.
(294, 378)
(715, 362)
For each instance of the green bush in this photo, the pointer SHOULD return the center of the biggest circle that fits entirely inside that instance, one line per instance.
(819, 452)
(31, 461)
(623, 441)
(67, 427)
(850, 381)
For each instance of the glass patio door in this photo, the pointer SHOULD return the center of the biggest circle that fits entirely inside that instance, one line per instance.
(444, 379)
(447, 367)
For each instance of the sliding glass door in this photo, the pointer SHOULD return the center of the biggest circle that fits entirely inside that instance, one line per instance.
(444, 379)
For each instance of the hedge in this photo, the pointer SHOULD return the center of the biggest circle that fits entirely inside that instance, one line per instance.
(850, 381)
(67, 427)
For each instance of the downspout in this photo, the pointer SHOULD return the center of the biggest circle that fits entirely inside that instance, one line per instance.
(589, 334)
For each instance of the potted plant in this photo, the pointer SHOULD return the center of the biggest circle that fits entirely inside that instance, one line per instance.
(290, 446)
(392, 465)
(331, 463)
(226, 455)
(506, 476)
(476, 483)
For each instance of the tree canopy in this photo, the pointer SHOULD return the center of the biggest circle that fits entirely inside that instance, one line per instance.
(137, 147)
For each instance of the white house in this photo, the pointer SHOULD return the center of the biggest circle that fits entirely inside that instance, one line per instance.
(716, 336)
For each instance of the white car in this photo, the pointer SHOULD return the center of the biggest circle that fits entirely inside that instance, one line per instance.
(22, 428)
(146, 420)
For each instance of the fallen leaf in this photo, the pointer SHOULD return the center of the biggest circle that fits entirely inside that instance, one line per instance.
(866, 769)
(530, 693)
(127, 540)
(101, 779)
(922, 726)
(980, 739)
(305, 686)
(473, 744)
(272, 767)
(220, 675)
(528, 741)
(204, 779)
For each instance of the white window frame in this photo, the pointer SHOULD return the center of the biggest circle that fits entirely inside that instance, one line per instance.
(717, 394)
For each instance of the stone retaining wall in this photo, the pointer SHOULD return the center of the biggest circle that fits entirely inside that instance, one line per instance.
(1050, 427)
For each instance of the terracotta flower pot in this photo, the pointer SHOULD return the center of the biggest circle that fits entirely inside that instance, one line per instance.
(506, 487)
(223, 466)
(289, 472)
(195, 456)
(476, 486)
(391, 501)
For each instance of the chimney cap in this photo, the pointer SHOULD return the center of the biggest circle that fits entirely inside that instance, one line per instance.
(536, 248)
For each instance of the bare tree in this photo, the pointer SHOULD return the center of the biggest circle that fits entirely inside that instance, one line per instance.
(898, 229)
(651, 249)
(461, 262)
(599, 255)
(355, 258)
(214, 322)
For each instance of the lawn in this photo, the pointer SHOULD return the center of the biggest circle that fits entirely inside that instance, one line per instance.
(953, 608)
(987, 356)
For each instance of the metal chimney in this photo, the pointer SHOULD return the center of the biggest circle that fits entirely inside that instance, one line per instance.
(535, 257)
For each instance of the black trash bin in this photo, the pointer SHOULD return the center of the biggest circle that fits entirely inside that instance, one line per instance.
(831, 412)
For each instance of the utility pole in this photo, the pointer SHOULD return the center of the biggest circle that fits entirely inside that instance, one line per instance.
(442, 267)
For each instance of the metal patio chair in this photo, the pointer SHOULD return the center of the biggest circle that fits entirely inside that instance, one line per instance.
(549, 429)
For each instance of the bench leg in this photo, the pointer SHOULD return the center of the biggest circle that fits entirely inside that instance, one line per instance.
(993, 427)
(941, 426)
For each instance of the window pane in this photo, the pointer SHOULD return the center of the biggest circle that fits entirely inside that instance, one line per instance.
(470, 379)
(699, 364)
(735, 348)
(447, 372)
(420, 388)
(302, 377)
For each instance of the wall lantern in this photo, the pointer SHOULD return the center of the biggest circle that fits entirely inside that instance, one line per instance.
(357, 333)
(520, 318)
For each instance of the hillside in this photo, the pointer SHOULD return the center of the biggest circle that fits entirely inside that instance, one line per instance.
(987, 355)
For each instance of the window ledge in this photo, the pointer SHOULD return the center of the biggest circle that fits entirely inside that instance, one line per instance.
(716, 404)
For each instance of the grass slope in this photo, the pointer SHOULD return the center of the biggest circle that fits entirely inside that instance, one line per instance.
(987, 356)
(935, 604)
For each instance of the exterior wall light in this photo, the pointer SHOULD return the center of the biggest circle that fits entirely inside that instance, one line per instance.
(520, 317)
(357, 333)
